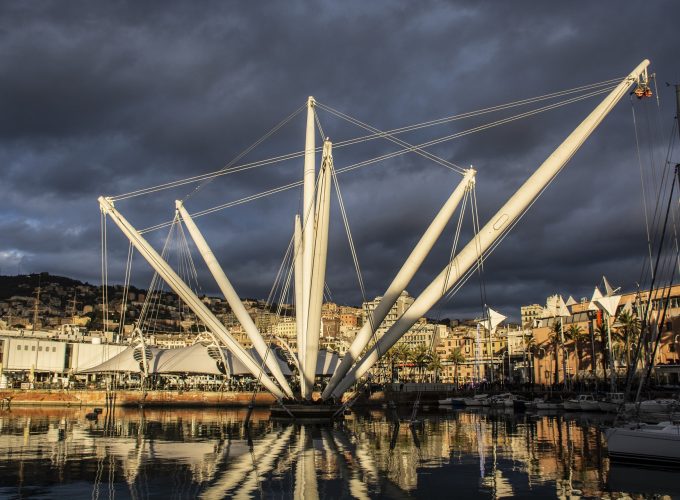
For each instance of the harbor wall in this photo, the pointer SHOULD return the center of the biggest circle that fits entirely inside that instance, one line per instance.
(18, 397)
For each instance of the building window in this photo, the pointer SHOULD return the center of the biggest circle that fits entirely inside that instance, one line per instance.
(54, 349)
(18, 348)
(39, 348)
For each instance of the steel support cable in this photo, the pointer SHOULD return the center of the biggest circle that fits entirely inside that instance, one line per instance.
(350, 240)
(472, 114)
(391, 138)
(371, 161)
(658, 194)
(461, 281)
(352, 247)
(191, 272)
(279, 273)
(648, 306)
(228, 169)
(243, 153)
(126, 289)
(232, 169)
(155, 279)
(486, 314)
(642, 182)
(102, 226)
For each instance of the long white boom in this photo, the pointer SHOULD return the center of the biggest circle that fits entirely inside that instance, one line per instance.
(322, 217)
(308, 211)
(185, 293)
(233, 299)
(401, 280)
(496, 227)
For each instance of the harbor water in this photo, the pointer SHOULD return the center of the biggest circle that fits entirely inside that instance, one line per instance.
(209, 453)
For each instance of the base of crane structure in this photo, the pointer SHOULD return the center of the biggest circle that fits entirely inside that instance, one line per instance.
(307, 412)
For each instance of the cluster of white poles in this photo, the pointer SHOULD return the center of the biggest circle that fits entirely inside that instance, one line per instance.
(311, 245)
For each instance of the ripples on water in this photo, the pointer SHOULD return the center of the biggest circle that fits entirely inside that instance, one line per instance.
(57, 453)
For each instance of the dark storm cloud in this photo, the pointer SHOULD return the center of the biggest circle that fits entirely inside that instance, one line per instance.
(106, 98)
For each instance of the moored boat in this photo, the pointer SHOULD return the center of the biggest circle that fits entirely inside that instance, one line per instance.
(612, 402)
(550, 404)
(574, 404)
(454, 402)
(478, 400)
(659, 443)
(502, 400)
(659, 406)
(589, 403)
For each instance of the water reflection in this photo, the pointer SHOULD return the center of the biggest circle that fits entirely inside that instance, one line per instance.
(210, 454)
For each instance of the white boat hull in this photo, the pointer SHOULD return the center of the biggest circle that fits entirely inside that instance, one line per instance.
(609, 407)
(589, 406)
(549, 406)
(572, 406)
(644, 445)
(659, 406)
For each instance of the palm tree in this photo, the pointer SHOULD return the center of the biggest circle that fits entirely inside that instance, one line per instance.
(456, 357)
(628, 330)
(435, 365)
(601, 330)
(574, 333)
(529, 347)
(420, 356)
(402, 354)
(555, 337)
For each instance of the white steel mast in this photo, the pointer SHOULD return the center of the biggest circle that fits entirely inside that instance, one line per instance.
(322, 216)
(308, 210)
(402, 279)
(495, 228)
(297, 263)
(189, 297)
(234, 301)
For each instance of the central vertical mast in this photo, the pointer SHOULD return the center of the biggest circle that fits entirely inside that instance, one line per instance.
(308, 210)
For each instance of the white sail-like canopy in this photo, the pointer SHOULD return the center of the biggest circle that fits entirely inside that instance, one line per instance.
(571, 301)
(596, 295)
(125, 362)
(494, 318)
(555, 307)
(628, 307)
(194, 359)
(609, 304)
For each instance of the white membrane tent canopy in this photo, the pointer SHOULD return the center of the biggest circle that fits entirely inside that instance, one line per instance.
(125, 362)
(194, 359)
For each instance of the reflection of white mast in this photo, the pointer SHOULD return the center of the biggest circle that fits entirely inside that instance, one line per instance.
(357, 487)
(306, 487)
(363, 455)
(239, 471)
(264, 464)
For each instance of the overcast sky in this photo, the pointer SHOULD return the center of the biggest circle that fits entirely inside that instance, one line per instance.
(101, 98)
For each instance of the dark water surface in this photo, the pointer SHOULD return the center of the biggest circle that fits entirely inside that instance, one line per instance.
(174, 454)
